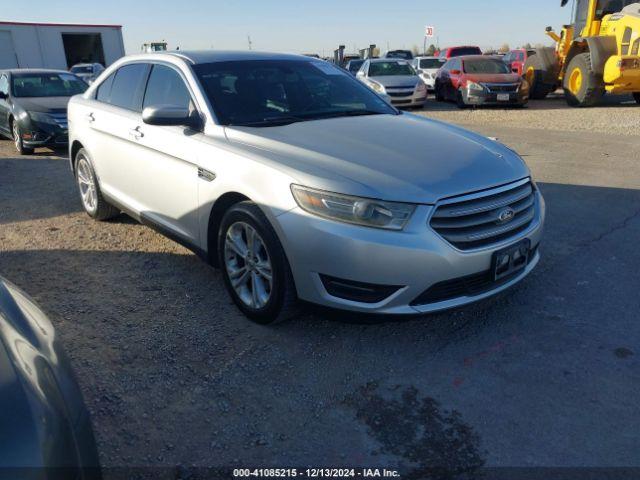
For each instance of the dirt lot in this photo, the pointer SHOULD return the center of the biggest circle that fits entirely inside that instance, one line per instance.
(547, 374)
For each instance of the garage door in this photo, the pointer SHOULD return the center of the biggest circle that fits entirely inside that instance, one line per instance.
(8, 58)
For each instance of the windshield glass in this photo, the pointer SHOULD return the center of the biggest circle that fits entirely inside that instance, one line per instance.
(607, 7)
(400, 54)
(354, 65)
(462, 51)
(46, 85)
(430, 63)
(485, 65)
(271, 92)
(384, 69)
(82, 69)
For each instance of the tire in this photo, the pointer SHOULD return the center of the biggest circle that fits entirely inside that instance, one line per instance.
(582, 86)
(539, 78)
(16, 134)
(636, 97)
(90, 194)
(262, 300)
(460, 100)
(438, 93)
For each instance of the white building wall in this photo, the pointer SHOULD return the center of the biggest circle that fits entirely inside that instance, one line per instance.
(40, 46)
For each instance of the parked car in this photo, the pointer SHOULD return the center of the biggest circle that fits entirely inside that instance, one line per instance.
(453, 52)
(353, 66)
(87, 71)
(515, 59)
(402, 54)
(33, 107)
(395, 78)
(44, 422)
(348, 58)
(427, 68)
(478, 80)
(300, 182)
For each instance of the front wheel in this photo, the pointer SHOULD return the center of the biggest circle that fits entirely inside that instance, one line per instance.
(255, 269)
(582, 86)
(18, 142)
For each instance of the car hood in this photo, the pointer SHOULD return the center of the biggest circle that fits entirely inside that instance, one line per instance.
(392, 157)
(494, 78)
(397, 81)
(43, 104)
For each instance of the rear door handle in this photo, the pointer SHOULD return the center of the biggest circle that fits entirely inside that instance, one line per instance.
(90, 117)
(136, 133)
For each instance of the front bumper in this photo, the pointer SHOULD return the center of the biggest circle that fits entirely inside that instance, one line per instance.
(429, 82)
(414, 100)
(477, 97)
(39, 135)
(412, 260)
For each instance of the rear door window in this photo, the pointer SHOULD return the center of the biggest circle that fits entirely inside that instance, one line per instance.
(128, 87)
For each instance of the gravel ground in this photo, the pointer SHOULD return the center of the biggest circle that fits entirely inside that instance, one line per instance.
(546, 374)
(619, 115)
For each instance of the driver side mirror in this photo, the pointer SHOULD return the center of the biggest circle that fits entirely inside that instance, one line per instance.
(167, 115)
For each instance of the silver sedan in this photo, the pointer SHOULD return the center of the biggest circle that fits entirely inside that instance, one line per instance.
(395, 78)
(301, 183)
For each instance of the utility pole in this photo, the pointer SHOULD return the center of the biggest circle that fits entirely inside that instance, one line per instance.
(249, 40)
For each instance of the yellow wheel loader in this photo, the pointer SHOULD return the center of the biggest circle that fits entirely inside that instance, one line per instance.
(597, 54)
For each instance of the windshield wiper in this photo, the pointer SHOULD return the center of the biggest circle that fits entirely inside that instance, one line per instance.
(270, 122)
(346, 113)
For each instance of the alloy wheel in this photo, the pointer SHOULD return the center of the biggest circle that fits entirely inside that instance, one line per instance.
(248, 265)
(86, 184)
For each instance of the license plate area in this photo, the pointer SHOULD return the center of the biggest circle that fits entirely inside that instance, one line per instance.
(511, 260)
(504, 97)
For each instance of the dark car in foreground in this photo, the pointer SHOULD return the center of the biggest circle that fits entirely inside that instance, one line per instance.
(45, 429)
(33, 107)
(478, 80)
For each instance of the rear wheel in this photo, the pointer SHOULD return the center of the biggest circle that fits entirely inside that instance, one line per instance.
(582, 86)
(17, 140)
(538, 77)
(90, 194)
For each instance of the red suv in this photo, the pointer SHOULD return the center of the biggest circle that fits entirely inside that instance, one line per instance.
(516, 59)
(459, 52)
(480, 80)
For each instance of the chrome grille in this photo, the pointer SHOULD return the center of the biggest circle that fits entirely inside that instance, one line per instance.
(486, 218)
(60, 119)
(502, 87)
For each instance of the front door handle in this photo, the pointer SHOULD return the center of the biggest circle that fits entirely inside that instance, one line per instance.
(90, 117)
(136, 133)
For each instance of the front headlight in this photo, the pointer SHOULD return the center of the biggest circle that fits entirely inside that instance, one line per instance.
(378, 87)
(357, 210)
(42, 118)
(420, 87)
(475, 86)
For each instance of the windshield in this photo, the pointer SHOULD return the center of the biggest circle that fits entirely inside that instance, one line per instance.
(355, 65)
(400, 54)
(430, 63)
(485, 65)
(462, 51)
(276, 92)
(82, 69)
(47, 85)
(607, 7)
(385, 69)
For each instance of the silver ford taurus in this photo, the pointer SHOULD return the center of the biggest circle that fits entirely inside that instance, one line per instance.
(301, 183)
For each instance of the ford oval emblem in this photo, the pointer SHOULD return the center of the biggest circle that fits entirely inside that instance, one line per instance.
(506, 215)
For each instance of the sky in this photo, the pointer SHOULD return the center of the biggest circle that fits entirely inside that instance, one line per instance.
(306, 26)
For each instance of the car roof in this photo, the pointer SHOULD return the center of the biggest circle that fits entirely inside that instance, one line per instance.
(211, 56)
(32, 70)
(471, 57)
(381, 60)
